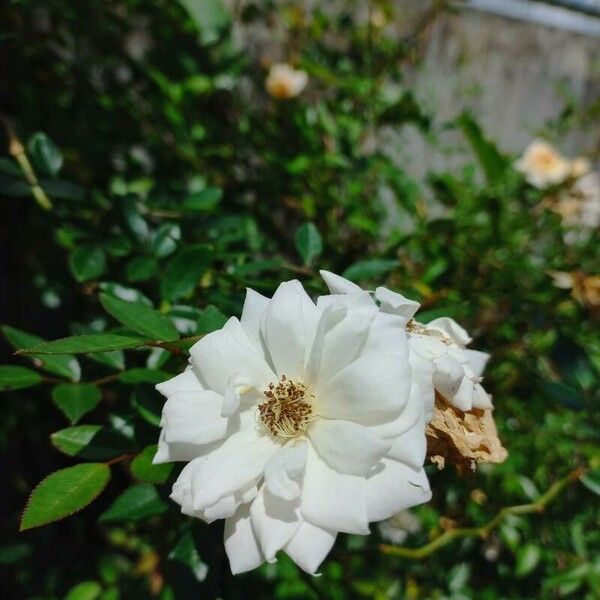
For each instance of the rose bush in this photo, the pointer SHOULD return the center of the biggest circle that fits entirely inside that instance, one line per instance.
(148, 179)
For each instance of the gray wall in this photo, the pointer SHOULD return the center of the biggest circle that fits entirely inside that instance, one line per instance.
(515, 76)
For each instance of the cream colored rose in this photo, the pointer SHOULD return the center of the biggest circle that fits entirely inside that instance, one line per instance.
(284, 82)
(580, 166)
(543, 166)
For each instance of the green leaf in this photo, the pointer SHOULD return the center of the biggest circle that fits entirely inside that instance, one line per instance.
(138, 502)
(493, 164)
(85, 590)
(205, 200)
(563, 393)
(134, 222)
(210, 319)
(166, 239)
(129, 294)
(366, 269)
(185, 552)
(81, 344)
(17, 378)
(141, 268)
(87, 262)
(117, 245)
(143, 469)
(141, 318)
(210, 17)
(149, 405)
(9, 167)
(527, 559)
(257, 267)
(140, 375)
(308, 242)
(591, 480)
(405, 110)
(76, 399)
(64, 365)
(183, 273)
(65, 190)
(63, 493)
(114, 359)
(44, 154)
(91, 442)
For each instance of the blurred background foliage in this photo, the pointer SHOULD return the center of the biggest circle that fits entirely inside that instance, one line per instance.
(175, 181)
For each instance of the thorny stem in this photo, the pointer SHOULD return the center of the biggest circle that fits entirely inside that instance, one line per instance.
(17, 151)
(484, 530)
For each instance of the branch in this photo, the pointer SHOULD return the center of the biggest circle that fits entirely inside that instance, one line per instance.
(484, 530)
(17, 151)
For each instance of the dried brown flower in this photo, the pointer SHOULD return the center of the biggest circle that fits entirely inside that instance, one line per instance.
(462, 438)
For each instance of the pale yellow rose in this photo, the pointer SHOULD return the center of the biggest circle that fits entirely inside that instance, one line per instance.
(284, 82)
(580, 166)
(543, 166)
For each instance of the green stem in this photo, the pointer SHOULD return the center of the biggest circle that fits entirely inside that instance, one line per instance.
(17, 151)
(484, 530)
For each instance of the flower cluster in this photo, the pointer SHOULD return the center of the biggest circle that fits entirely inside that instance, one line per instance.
(304, 419)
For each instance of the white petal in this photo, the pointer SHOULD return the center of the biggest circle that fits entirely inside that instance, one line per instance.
(420, 403)
(222, 509)
(481, 399)
(338, 284)
(193, 418)
(178, 452)
(422, 383)
(332, 500)
(284, 470)
(395, 487)
(477, 361)
(347, 447)
(309, 546)
(452, 328)
(397, 304)
(410, 447)
(427, 347)
(339, 340)
(288, 327)
(357, 301)
(373, 389)
(387, 334)
(463, 398)
(254, 307)
(448, 375)
(274, 521)
(184, 382)
(226, 353)
(241, 544)
(330, 317)
(234, 467)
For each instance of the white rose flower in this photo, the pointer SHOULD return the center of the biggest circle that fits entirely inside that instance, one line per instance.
(438, 355)
(285, 82)
(298, 421)
(542, 165)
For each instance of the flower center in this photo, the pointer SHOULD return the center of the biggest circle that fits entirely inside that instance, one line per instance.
(286, 410)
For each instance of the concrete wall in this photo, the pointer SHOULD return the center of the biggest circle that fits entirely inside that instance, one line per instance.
(514, 76)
